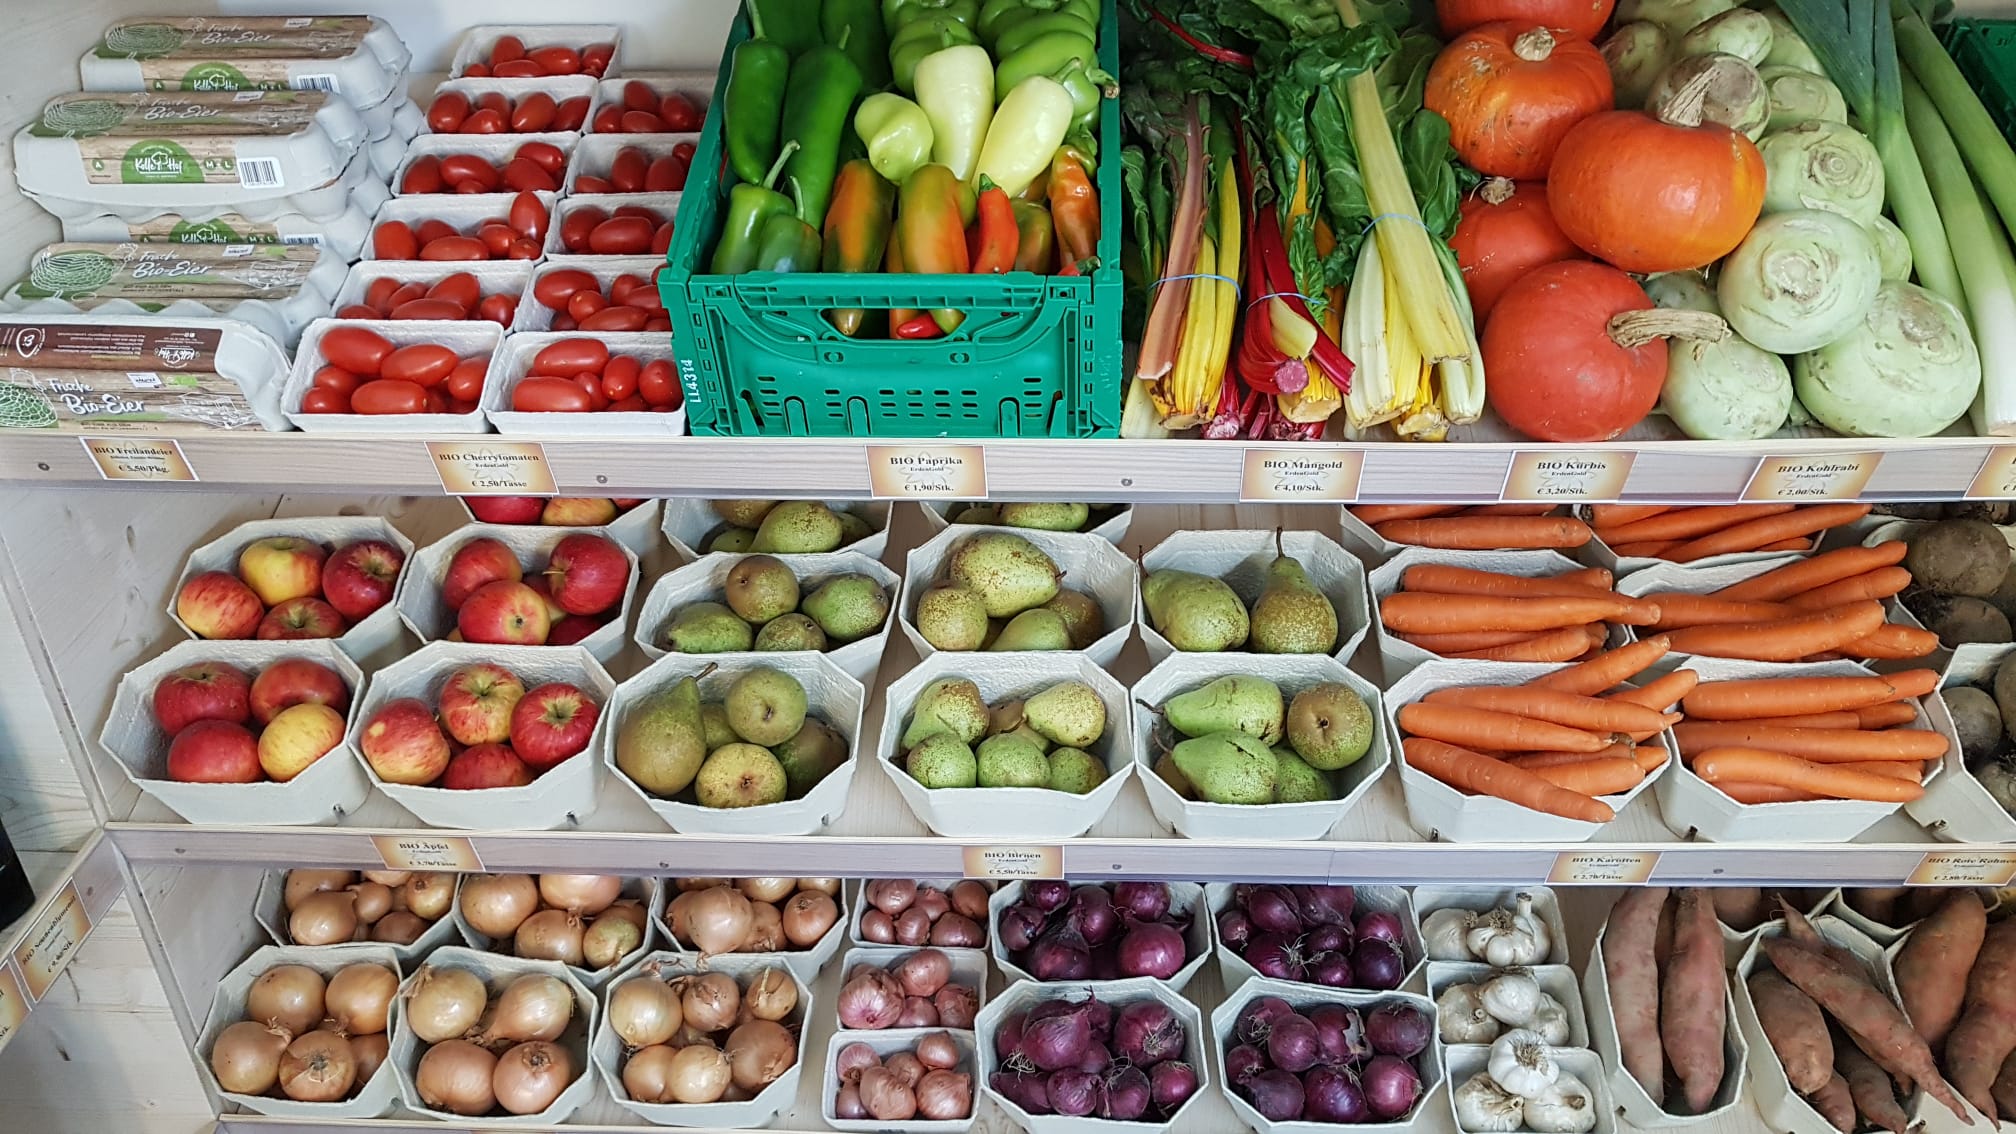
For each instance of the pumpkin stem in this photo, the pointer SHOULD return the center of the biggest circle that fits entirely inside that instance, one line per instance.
(1633, 329)
(1496, 190)
(1688, 104)
(1534, 46)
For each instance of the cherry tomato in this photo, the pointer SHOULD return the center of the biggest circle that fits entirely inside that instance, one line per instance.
(659, 323)
(608, 120)
(658, 385)
(362, 351)
(522, 175)
(563, 322)
(589, 183)
(661, 240)
(631, 404)
(620, 236)
(494, 100)
(524, 248)
(384, 396)
(321, 400)
(585, 303)
(648, 299)
(553, 289)
(576, 226)
(437, 402)
(361, 311)
(638, 211)
(458, 406)
(336, 378)
(571, 356)
(423, 364)
(626, 173)
(621, 287)
(423, 176)
(498, 309)
(517, 69)
(405, 293)
(430, 309)
(596, 57)
(549, 395)
(476, 71)
(570, 114)
(638, 95)
(496, 240)
(468, 167)
(379, 291)
(528, 216)
(616, 319)
(432, 230)
(619, 378)
(642, 122)
(591, 385)
(394, 240)
(533, 113)
(545, 155)
(447, 112)
(667, 174)
(459, 288)
(465, 382)
(680, 114)
(484, 122)
(507, 48)
(556, 60)
(455, 248)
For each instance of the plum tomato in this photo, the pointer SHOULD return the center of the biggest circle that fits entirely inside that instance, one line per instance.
(423, 364)
(523, 175)
(507, 48)
(545, 155)
(533, 114)
(429, 309)
(517, 69)
(616, 320)
(447, 112)
(394, 240)
(569, 357)
(556, 59)
(528, 216)
(322, 400)
(620, 236)
(499, 309)
(619, 378)
(627, 171)
(554, 288)
(423, 176)
(585, 303)
(336, 378)
(465, 382)
(596, 57)
(658, 385)
(459, 288)
(550, 395)
(679, 113)
(485, 121)
(570, 114)
(455, 248)
(360, 350)
(385, 397)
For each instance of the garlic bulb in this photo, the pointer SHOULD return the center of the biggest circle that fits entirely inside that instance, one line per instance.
(1445, 934)
(1460, 1016)
(1550, 1021)
(1511, 997)
(1506, 938)
(1483, 1107)
(1564, 1106)
(1521, 1063)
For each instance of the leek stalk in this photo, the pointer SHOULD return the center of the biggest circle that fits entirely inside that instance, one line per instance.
(1986, 151)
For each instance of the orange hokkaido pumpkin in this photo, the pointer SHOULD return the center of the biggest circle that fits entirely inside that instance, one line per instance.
(1504, 232)
(1511, 93)
(1583, 17)
(1650, 194)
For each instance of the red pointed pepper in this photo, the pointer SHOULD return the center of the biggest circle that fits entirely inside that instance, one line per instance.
(996, 239)
(931, 223)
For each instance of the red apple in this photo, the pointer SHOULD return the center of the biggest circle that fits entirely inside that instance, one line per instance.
(214, 752)
(299, 736)
(279, 568)
(504, 613)
(485, 766)
(588, 573)
(476, 703)
(572, 629)
(403, 744)
(302, 618)
(206, 691)
(625, 503)
(297, 681)
(359, 579)
(554, 611)
(578, 512)
(551, 723)
(475, 563)
(218, 604)
(506, 509)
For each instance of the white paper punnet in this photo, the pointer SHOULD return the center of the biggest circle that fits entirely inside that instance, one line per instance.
(1464, 1060)
(1008, 813)
(859, 906)
(1482, 899)
(1557, 981)
(344, 234)
(705, 580)
(643, 891)
(478, 41)
(1196, 819)
(1955, 807)
(153, 53)
(1241, 559)
(635, 528)
(831, 695)
(665, 205)
(497, 149)
(969, 968)
(563, 796)
(1023, 995)
(323, 793)
(247, 358)
(689, 523)
(885, 1044)
(465, 214)
(1113, 529)
(510, 365)
(468, 339)
(1233, 970)
(1305, 996)
(493, 277)
(597, 153)
(1780, 1105)
(1184, 898)
(1398, 656)
(374, 1097)
(269, 909)
(1631, 1098)
(420, 600)
(497, 972)
(372, 637)
(537, 317)
(695, 85)
(1090, 565)
(805, 964)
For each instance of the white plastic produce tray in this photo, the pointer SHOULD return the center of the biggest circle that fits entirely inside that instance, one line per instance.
(514, 360)
(689, 522)
(421, 606)
(371, 637)
(704, 580)
(468, 339)
(498, 971)
(1090, 565)
(1241, 559)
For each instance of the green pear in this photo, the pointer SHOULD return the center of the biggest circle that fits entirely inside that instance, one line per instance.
(1291, 616)
(1008, 760)
(949, 704)
(1330, 726)
(1075, 770)
(1010, 574)
(662, 742)
(1228, 767)
(798, 527)
(1296, 782)
(1082, 617)
(743, 513)
(952, 618)
(848, 607)
(1196, 613)
(1234, 703)
(1046, 516)
(760, 588)
(765, 706)
(707, 628)
(1165, 769)
(976, 514)
(994, 628)
(853, 527)
(731, 539)
(811, 755)
(740, 775)
(1004, 717)
(790, 632)
(943, 761)
(714, 726)
(1036, 629)
(1068, 714)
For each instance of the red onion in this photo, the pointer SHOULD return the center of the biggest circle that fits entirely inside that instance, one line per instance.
(847, 1104)
(1276, 1094)
(1020, 925)
(853, 1059)
(1324, 905)
(1127, 1095)
(1332, 969)
(1145, 901)
(1151, 949)
(1383, 925)
(1025, 1089)
(917, 1013)
(957, 931)
(1055, 1042)
(1075, 1093)
(957, 1005)
(1008, 1036)
(1093, 916)
(872, 1001)
(1333, 1095)
(1046, 895)
(1257, 1018)
(1272, 909)
(944, 1096)
(923, 972)
(1060, 954)
(1391, 1085)
(1340, 1033)
(1106, 962)
(1170, 1085)
(1101, 1015)
(1147, 1032)
(1328, 939)
(1292, 1045)
(1274, 956)
(913, 927)
(1243, 1062)
(1234, 928)
(877, 927)
(1398, 1029)
(892, 895)
(1097, 1058)
(1377, 963)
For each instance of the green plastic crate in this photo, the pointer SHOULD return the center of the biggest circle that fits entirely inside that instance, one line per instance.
(1038, 356)
(1986, 53)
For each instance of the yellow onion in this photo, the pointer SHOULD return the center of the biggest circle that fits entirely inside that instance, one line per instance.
(609, 939)
(246, 1057)
(759, 1052)
(647, 1074)
(444, 1004)
(428, 896)
(399, 927)
(530, 1076)
(389, 878)
(644, 1011)
(302, 883)
(370, 1052)
(495, 905)
(318, 1067)
(324, 918)
(359, 998)
(699, 1074)
(550, 935)
(771, 995)
(373, 901)
(287, 996)
(807, 917)
(827, 886)
(717, 920)
(766, 889)
(454, 1076)
(535, 1006)
(766, 929)
(709, 1001)
(580, 893)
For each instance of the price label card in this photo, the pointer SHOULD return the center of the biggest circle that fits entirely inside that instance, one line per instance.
(1803, 480)
(427, 852)
(1997, 478)
(52, 939)
(1567, 477)
(1964, 868)
(492, 468)
(1301, 476)
(927, 472)
(138, 458)
(14, 1004)
(1601, 868)
(1015, 862)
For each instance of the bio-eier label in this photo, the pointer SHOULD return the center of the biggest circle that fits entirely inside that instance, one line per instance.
(1603, 868)
(1567, 477)
(1015, 862)
(1997, 478)
(927, 472)
(1301, 476)
(1964, 868)
(427, 852)
(136, 458)
(51, 940)
(492, 468)
(1817, 476)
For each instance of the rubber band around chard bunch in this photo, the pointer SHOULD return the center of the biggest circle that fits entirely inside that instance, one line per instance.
(1198, 276)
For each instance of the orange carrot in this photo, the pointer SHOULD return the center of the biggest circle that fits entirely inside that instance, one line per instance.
(1822, 569)
(1371, 514)
(1785, 639)
(1911, 771)
(1509, 510)
(1688, 523)
(1756, 766)
(1480, 775)
(1533, 760)
(1838, 719)
(1822, 745)
(1607, 669)
(1480, 728)
(1893, 641)
(1649, 757)
(1469, 640)
(1443, 579)
(1678, 610)
(1912, 683)
(1769, 529)
(1617, 515)
(1744, 791)
(1413, 613)
(1885, 716)
(1486, 533)
(1796, 543)
(1543, 704)
(1880, 583)
(1599, 775)
(1598, 577)
(1662, 692)
(1565, 644)
(1644, 548)
(1750, 698)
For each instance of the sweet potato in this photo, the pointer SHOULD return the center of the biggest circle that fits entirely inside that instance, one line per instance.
(2004, 1089)
(1634, 984)
(1835, 1103)
(1868, 1015)
(1693, 1000)
(1662, 940)
(1877, 903)
(1740, 907)
(1796, 1028)
(1986, 1034)
(1869, 1086)
(1929, 965)
(1800, 932)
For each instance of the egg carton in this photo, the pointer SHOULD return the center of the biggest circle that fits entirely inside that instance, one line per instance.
(493, 277)
(1241, 559)
(360, 59)
(1233, 970)
(536, 317)
(497, 149)
(597, 153)
(1782, 1106)
(1427, 1063)
(1024, 995)
(423, 611)
(1396, 655)
(464, 213)
(889, 1042)
(277, 288)
(372, 636)
(477, 43)
(1089, 565)
(689, 522)
(269, 909)
(468, 339)
(704, 580)
(666, 205)
(497, 972)
(938, 515)
(81, 373)
(510, 365)
(644, 891)
(344, 235)
(1199, 938)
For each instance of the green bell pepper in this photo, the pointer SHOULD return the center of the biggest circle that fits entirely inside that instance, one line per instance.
(751, 206)
(929, 28)
(788, 243)
(817, 103)
(1024, 32)
(860, 22)
(1047, 54)
(794, 24)
(997, 15)
(1089, 87)
(906, 54)
(754, 104)
(896, 13)
(897, 133)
